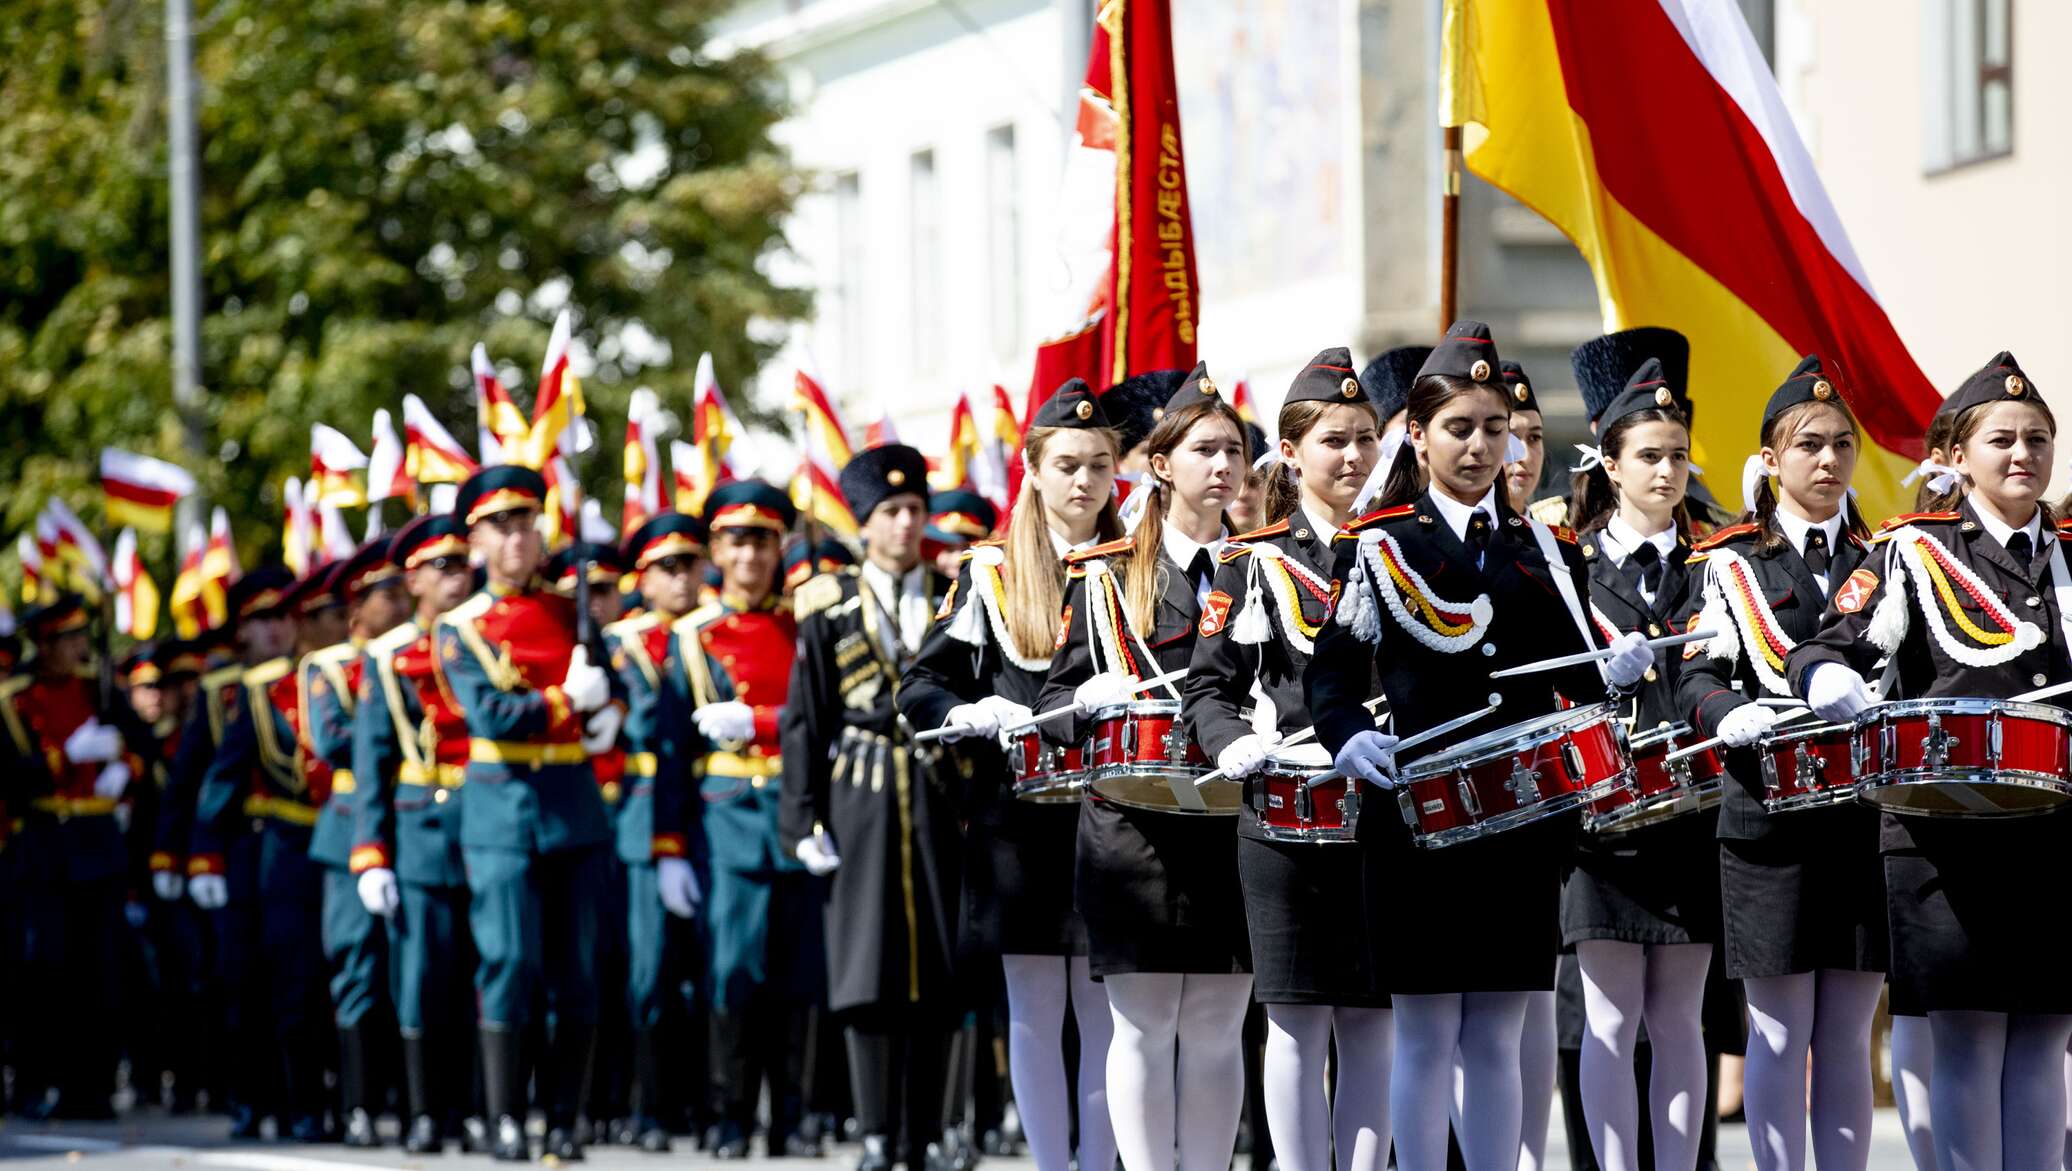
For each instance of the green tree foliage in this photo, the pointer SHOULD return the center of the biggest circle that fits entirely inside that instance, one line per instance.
(385, 182)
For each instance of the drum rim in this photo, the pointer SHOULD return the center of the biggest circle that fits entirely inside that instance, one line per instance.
(1641, 743)
(1138, 707)
(2023, 780)
(1514, 818)
(1093, 786)
(1344, 835)
(1963, 705)
(1473, 752)
(1799, 732)
(1645, 814)
(1810, 799)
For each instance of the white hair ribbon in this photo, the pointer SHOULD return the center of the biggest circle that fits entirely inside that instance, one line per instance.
(1514, 449)
(1592, 457)
(1941, 477)
(1752, 474)
(1391, 447)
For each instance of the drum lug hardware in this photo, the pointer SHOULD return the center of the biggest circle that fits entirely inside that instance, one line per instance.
(1573, 758)
(1888, 746)
(1807, 768)
(1524, 783)
(1935, 747)
(1406, 805)
(1305, 805)
(1772, 790)
(1175, 742)
(1993, 740)
(1469, 803)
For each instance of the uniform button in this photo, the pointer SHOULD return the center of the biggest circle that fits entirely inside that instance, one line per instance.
(1488, 648)
(2033, 601)
(726, 660)
(1654, 631)
(1302, 534)
(2038, 679)
(1651, 676)
(741, 692)
(439, 796)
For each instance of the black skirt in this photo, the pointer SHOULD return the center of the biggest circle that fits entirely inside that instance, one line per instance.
(1480, 917)
(1018, 863)
(1656, 885)
(1807, 895)
(1971, 910)
(1303, 907)
(1158, 891)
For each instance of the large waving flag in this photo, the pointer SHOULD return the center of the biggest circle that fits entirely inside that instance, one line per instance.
(499, 425)
(142, 491)
(136, 595)
(431, 454)
(643, 464)
(707, 461)
(823, 452)
(962, 450)
(337, 468)
(78, 549)
(564, 503)
(1653, 134)
(190, 612)
(558, 427)
(388, 464)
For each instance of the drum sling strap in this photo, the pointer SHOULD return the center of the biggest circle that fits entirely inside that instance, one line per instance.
(1557, 568)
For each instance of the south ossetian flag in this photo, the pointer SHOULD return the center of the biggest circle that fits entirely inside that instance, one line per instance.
(1653, 134)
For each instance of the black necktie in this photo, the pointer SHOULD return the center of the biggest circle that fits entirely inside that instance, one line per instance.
(1478, 535)
(1816, 552)
(1645, 566)
(2018, 548)
(1202, 570)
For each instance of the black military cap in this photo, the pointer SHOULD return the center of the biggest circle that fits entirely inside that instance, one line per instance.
(1329, 378)
(830, 555)
(61, 615)
(1647, 390)
(500, 489)
(1074, 405)
(1134, 404)
(1999, 380)
(665, 534)
(182, 658)
(1807, 383)
(957, 516)
(428, 538)
(1604, 365)
(749, 504)
(1196, 387)
(1387, 378)
(367, 569)
(142, 666)
(798, 561)
(606, 565)
(261, 593)
(319, 589)
(1522, 398)
(876, 474)
(1467, 352)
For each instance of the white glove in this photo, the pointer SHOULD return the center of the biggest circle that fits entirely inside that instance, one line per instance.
(209, 891)
(818, 854)
(601, 730)
(585, 687)
(114, 778)
(1630, 661)
(679, 886)
(1835, 693)
(1243, 756)
(727, 722)
(1745, 725)
(167, 885)
(378, 891)
(93, 743)
(1370, 756)
(1105, 690)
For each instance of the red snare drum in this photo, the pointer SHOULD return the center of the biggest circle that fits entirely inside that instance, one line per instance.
(1515, 776)
(1661, 789)
(1045, 774)
(1290, 809)
(1807, 766)
(1143, 757)
(1964, 757)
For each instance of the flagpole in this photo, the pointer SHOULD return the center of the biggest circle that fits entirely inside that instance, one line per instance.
(1449, 229)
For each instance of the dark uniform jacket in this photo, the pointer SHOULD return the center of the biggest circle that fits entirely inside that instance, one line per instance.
(410, 753)
(329, 684)
(216, 703)
(260, 771)
(1618, 608)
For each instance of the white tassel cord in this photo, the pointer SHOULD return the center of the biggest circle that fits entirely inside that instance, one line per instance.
(1358, 610)
(1479, 611)
(1915, 556)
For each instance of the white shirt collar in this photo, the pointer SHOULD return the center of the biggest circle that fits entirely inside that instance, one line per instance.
(2000, 532)
(1796, 527)
(905, 600)
(1456, 515)
(1322, 529)
(1624, 538)
(1182, 548)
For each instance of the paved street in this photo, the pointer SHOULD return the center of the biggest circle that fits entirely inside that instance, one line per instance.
(152, 1141)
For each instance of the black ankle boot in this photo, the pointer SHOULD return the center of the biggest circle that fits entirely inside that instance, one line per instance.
(503, 1079)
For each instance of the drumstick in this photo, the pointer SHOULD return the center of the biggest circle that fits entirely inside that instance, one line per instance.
(1075, 708)
(1412, 741)
(1773, 702)
(1303, 737)
(1702, 745)
(1666, 640)
(2041, 693)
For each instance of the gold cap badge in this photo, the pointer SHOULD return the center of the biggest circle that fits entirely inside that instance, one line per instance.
(1350, 388)
(1085, 409)
(1208, 385)
(1479, 371)
(1662, 396)
(895, 477)
(1520, 392)
(1823, 390)
(2015, 385)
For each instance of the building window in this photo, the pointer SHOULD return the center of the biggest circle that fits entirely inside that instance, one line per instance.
(845, 313)
(924, 219)
(1969, 83)
(1004, 241)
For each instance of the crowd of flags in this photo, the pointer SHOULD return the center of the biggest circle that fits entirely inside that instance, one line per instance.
(422, 463)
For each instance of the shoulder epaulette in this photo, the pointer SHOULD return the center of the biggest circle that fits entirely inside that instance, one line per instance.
(1374, 518)
(1232, 551)
(469, 610)
(1549, 510)
(815, 594)
(1119, 545)
(267, 672)
(1730, 533)
(700, 617)
(634, 625)
(220, 677)
(337, 652)
(15, 685)
(390, 643)
(1908, 518)
(1273, 530)
(1563, 533)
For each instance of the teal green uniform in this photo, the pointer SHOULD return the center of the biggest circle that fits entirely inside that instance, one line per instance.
(653, 949)
(355, 945)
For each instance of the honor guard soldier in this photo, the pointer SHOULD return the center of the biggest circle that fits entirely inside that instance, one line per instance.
(665, 552)
(355, 945)
(957, 517)
(253, 822)
(533, 828)
(859, 805)
(72, 768)
(410, 753)
(728, 673)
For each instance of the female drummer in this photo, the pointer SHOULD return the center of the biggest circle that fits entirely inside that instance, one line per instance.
(1443, 585)
(1158, 891)
(1805, 925)
(1311, 966)
(1641, 908)
(979, 671)
(1968, 602)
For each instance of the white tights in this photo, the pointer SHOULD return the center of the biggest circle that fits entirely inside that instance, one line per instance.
(1305, 1122)
(1485, 1029)
(1537, 1059)
(1913, 1052)
(1037, 989)
(1177, 1057)
(1998, 1090)
(1624, 983)
(1827, 1014)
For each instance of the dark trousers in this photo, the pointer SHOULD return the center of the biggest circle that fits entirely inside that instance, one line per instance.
(897, 1058)
(535, 923)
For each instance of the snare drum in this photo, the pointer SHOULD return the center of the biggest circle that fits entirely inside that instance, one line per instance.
(1044, 773)
(1141, 756)
(1515, 776)
(1661, 789)
(1290, 809)
(1964, 757)
(1807, 766)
